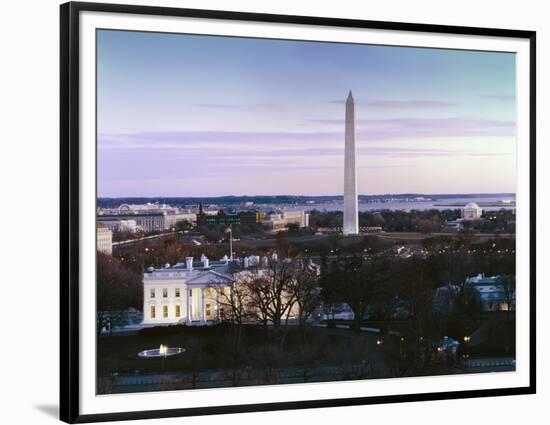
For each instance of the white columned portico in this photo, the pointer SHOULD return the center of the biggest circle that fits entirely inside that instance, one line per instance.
(187, 305)
(203, 306)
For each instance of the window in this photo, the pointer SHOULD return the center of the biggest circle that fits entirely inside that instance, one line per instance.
(177, 292)
(165, 292)
(165, 311)
(178, 312)
(153, 312)
(152, 294)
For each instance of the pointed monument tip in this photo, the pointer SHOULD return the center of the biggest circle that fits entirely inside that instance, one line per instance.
(350, 96)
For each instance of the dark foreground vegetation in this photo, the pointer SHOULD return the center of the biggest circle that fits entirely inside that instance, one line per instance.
(228, 355)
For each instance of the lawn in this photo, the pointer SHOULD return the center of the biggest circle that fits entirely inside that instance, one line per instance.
(266, 355)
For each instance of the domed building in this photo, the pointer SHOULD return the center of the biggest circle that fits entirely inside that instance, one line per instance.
(471, 211)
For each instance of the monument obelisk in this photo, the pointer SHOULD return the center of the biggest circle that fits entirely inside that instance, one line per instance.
(351, 217)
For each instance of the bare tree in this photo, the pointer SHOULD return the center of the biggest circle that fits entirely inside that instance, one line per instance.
(508, 284)
(255, 285)
(118, 288)
(234, 301)
(270, 292)
(279, 286)
(305, 289)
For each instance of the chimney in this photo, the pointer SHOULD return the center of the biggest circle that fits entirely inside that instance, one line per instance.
(205, 262)
(189, 263)
(245, 262)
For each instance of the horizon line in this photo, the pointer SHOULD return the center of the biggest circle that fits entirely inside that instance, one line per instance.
(303, 195)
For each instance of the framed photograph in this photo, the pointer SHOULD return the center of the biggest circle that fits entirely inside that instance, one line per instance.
(264, 212)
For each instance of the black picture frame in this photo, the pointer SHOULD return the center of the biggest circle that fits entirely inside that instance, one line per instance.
(69, 208)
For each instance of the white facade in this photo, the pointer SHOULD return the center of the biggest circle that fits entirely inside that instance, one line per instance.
(492, 293)
(147, 222)
(104, 239)
(471, 211)
(121, 225)
(185, 293)
(296, 217)
(147, 217)
(189, 217)
(279, 221)
(145, 207)
(351, 216)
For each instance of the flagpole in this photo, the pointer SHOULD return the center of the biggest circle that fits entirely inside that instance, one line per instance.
(230, 243)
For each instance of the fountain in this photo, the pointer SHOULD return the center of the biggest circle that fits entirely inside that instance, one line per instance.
(162, 351)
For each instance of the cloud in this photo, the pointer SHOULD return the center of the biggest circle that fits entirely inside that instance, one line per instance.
(237, 106)
(500, 97)
(369, 130)
(407, 128)
(402, 104)
(270, 155)
(250, 139)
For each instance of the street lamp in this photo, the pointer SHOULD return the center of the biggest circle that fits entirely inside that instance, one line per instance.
(466, 346)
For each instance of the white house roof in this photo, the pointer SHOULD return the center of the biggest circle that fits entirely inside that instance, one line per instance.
(209, 277)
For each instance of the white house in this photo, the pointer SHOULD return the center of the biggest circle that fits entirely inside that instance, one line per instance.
(194, 292)
(186, 292)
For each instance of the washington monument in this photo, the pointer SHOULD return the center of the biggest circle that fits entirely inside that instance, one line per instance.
(351, 217)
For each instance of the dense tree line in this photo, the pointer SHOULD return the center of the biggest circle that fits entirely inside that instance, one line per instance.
(377, 286)
(118, 287)
(425, 221)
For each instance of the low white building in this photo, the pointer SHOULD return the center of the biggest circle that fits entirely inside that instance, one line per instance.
(189, 217)
(471, 211)
(151, 217)
(121, 225)
(104, 239)
(186, 292)
(154, 221)
(494, 291)
(300, 218)
(276, 221)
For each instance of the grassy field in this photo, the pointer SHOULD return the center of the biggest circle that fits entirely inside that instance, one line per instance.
(223, 346)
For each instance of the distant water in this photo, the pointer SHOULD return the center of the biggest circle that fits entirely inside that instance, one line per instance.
(399, 204)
